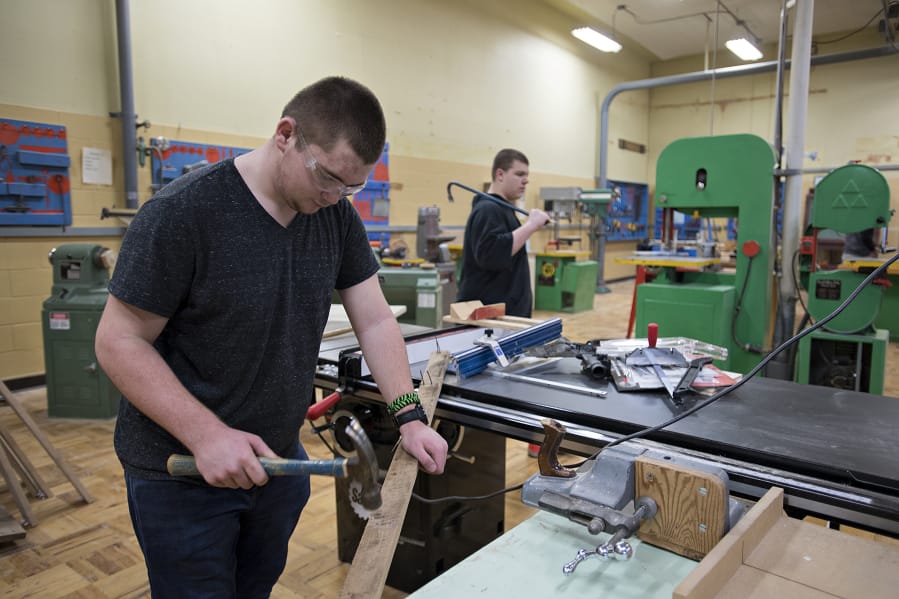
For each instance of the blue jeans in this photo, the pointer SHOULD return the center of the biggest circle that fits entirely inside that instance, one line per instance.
(203, 541)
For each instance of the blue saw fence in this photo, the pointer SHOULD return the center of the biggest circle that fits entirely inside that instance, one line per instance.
(35, 188)
(476, 360)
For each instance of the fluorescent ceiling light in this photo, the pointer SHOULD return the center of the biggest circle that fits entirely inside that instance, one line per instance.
(743, 48)
(596, 39)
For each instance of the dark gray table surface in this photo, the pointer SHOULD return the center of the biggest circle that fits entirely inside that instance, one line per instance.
(844, 434)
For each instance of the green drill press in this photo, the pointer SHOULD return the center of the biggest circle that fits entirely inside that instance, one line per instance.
(76, 385)
(848, 352)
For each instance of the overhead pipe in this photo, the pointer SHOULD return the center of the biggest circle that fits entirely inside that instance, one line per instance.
(126, 92)
(779, 84)
(722, 73)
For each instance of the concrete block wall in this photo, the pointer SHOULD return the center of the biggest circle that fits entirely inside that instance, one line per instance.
(26, 277)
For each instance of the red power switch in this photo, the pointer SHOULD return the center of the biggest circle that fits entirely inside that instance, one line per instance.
(652, 333)
(751, 248)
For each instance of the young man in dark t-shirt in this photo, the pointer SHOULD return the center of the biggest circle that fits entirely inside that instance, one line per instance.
(216, 311)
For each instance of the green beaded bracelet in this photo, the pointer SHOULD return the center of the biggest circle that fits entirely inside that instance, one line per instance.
(406, 399)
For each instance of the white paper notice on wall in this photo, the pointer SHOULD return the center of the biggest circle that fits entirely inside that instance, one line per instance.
(96, 166)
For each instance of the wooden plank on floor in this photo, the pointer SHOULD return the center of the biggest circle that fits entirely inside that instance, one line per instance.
(10, 528)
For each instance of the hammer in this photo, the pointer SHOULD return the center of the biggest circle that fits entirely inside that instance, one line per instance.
(362, 467)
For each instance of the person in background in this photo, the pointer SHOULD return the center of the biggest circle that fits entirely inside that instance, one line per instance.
(494, 256)
(494, 259)
(211, 332)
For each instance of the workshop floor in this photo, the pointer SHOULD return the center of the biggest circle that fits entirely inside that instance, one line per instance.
(88, 551)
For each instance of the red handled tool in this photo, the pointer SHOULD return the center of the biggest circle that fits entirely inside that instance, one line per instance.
(657, 358)
(318, 409)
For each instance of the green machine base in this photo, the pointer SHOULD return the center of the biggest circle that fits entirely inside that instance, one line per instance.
(425, 292)
(843, 360)
(697, 311)
(888, 316)
(420, 290)
(563, 284)
(76, 385)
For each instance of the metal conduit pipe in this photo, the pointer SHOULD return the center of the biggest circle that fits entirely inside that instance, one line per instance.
(791, 214)
(827, 169)
(126, 92)
(779, 85)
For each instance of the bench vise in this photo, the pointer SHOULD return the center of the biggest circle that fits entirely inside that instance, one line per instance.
(669, 500)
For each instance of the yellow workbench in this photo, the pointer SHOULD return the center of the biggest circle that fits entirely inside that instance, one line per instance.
(668, 260)
(868, 264)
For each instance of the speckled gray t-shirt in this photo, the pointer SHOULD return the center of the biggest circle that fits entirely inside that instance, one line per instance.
(247, 302)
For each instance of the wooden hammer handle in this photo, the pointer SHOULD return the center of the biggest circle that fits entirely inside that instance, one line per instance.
(185, 465)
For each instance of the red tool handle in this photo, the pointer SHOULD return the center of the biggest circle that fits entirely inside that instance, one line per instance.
(318, 409)
(652, 333)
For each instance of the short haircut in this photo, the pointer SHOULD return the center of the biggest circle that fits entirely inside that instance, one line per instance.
(504, 159)
(335, 108)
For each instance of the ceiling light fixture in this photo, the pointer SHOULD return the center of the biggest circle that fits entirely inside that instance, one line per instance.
(596, 39)
(744, 49)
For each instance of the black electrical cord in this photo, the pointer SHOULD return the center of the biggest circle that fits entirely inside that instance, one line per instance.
(863, 27)
(737, 307)
(318, 431)
(433, 500)
(794, 270)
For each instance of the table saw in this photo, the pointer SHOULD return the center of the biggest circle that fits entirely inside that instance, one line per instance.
(835, 452)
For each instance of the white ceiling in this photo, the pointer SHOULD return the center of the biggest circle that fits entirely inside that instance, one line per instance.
(673, 28)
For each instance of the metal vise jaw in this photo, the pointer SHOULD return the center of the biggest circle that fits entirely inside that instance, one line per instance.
(594, 496)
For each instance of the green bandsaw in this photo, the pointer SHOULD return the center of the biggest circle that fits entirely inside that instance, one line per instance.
(849, 351)
(726, 176)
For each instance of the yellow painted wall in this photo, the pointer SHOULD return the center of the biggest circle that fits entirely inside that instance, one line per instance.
(458, 81)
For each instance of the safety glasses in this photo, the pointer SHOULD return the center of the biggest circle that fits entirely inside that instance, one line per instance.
(323, 179)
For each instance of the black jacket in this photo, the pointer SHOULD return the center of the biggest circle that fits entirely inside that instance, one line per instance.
(490, 272)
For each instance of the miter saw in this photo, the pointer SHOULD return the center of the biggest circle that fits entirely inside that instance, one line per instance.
(670, 500)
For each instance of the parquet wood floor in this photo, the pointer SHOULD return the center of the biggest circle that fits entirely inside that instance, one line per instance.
(80, 551)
